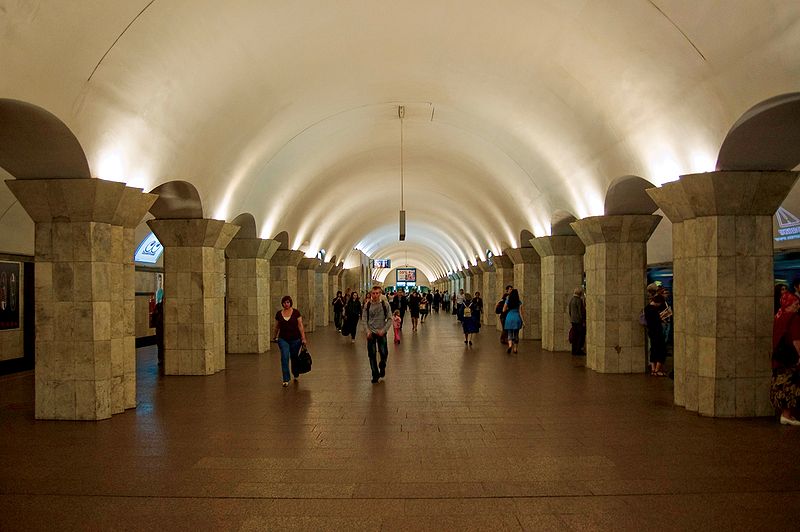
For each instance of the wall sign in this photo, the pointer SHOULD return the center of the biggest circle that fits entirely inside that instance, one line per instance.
(149, 250)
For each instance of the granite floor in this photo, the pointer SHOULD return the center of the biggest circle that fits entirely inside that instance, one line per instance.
(455, 438)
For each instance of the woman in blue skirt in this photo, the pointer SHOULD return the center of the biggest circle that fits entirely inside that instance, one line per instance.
(514, 319)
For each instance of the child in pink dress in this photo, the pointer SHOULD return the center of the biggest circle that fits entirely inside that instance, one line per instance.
(396, 323)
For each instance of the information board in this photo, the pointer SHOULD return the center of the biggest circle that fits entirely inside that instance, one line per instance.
(406, 275)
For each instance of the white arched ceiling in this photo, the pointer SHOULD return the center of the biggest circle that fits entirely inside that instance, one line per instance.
(288, 110)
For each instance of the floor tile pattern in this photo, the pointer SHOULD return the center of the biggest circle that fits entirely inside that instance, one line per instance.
(455, 438)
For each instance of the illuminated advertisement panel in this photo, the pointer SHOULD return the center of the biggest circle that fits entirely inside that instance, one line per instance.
(149, 250)
(406, 275)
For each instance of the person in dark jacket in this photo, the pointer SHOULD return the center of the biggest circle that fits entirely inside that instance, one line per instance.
(655, 332)
(470, 317)
(577, 318)
(352, 313)
(338, 310)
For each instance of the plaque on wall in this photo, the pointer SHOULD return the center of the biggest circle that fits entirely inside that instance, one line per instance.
(9, 295)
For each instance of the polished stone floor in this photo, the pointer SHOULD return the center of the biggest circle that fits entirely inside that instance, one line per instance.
(455, 438)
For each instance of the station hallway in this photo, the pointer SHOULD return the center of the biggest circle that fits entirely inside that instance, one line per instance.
(455, 438)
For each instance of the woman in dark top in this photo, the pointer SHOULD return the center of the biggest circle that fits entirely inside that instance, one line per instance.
(514, 319)
(784, 390)
(655, 331)
(470, 317)
(290, 335)
(424, 303)
(414, 300)
(338, 310)
(352, 313)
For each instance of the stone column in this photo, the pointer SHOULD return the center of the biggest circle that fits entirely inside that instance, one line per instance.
(504, 276)
(726, 235)
(323, 296)
(248, 314)
(80, 318)
(283, 278)
(490, 294)
(461, 281)
(616, 276)
(476, 276)
(132, 209)
(562, 272)
(528, 280)
(307, 292)
(194, 293)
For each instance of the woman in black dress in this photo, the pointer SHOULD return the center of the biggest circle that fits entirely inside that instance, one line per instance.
(655, 332)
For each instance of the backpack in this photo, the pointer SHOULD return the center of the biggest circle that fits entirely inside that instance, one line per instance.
(498, 309)
(383, 304)
(467, 311)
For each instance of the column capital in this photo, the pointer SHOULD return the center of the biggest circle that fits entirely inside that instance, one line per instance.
(251, 248)
(308, 263)
(287, 257)
(547, 246)
(326, 268)
(68, 200)
(193, 232)
(460, 275)
(616, 228)
(523, 255)
(133, 206)
(336, 270)
(485, 266)
(475, 270)
(724, 194)
(502, 261)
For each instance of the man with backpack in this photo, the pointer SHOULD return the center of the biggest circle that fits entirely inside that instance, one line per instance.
(377, 317)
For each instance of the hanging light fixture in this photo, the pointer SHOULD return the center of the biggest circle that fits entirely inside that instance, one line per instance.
(401, 113)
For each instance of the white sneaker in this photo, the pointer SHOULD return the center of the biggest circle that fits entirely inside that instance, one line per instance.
(787, 421)
(285, 384)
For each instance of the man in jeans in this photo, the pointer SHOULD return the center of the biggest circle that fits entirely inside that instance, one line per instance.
(377, 317)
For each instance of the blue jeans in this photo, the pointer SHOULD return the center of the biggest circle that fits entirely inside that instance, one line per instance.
(378, 342)
(289, 349)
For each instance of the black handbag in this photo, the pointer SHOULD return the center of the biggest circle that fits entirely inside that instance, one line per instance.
(302, 364)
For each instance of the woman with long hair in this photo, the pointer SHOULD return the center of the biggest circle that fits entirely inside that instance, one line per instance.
(514, 319)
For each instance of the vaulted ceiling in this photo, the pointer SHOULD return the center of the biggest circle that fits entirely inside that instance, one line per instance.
(514, 110)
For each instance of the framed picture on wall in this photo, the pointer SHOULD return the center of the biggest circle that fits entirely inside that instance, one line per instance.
(9, 295)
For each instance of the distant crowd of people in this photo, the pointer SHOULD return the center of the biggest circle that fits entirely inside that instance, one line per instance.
(382, 313)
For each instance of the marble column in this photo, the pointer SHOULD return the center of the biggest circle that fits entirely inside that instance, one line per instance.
(476, 284)
(307, 292)
(323, 295)
(528, 280)
(249, 320)
(490, 294)
(615, 262)
(504, 276)
(562, 272)
(133, 208)
(461, 281)
(726, 237)
(194, 293)
(283, 278)
(80, 317)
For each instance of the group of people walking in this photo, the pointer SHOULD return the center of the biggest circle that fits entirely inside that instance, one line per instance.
(784, 392)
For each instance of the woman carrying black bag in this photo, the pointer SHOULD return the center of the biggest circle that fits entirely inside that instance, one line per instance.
(290, 335)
